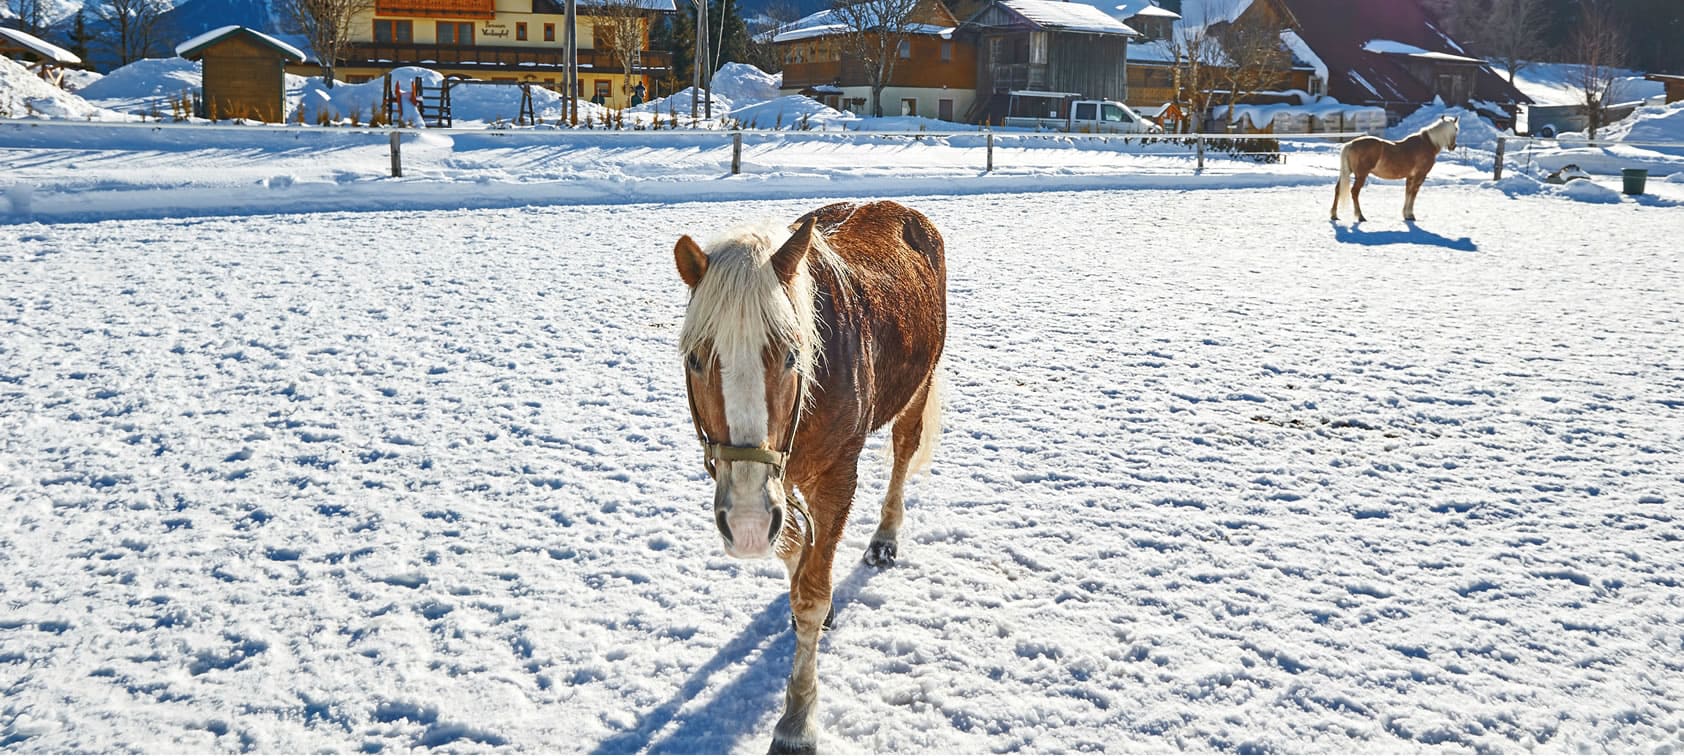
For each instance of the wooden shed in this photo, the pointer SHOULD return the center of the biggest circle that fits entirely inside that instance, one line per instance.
(244, 72)
(1674, 85)
(44, 58)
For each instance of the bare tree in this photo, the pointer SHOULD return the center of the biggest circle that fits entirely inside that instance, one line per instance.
(1198, 61)
(31, 15)
(1598, 47)
(327, 25)
(130, 27)
(1256, 59)
(1510, 32)
(874, 32)
(619, 29)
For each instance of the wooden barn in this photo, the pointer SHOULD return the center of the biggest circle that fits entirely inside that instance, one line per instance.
(1674, 85)
(1040, 45)
(244, 72)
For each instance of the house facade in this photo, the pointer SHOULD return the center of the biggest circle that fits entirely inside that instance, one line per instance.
(934, 75)
(1045, 46)
(1386, 53)
(503, 40)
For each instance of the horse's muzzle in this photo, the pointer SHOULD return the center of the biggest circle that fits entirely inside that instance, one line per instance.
(749, 522)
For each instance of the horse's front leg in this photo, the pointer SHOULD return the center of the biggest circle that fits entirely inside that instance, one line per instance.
(1357, 183)
(797, 730)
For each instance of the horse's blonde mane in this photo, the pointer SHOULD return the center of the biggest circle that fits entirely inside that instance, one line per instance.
(739, 307)
(1440, 132)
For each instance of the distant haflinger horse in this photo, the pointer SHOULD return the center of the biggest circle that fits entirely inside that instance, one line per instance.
(796, 346)
(1409, 159)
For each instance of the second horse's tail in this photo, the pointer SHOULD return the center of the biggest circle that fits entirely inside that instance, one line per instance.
(1342, 188)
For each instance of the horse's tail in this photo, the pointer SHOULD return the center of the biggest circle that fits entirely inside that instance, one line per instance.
(1342, 188)
(931, 432)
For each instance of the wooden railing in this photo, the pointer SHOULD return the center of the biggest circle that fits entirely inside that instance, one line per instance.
(491, 58)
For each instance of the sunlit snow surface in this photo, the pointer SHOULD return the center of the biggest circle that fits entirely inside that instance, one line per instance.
(1216, 475)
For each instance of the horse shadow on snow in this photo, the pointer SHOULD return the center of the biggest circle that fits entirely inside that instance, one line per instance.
(716, 725)
(1354, 234)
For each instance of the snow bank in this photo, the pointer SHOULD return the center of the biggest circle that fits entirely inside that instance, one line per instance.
(1590, 191)
(1472, 131)
(147, 79)
(1559, 84)
(788, 112)
(743, 84)
(1652, 123)
(75, 79)
(679, 103)
(23, 94)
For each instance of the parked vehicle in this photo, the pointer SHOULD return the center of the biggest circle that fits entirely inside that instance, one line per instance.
(1063, 112)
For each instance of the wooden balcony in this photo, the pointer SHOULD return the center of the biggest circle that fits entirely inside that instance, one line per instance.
(491, 58)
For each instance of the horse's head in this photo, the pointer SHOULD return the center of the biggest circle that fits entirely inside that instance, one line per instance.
(1443, 133)
(749, 342)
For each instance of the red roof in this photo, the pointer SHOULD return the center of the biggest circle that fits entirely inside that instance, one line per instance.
(1337, 30)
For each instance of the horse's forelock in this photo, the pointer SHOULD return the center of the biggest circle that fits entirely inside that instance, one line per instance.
(740, 307)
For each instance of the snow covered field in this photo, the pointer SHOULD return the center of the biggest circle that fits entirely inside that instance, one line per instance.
(1216, 476)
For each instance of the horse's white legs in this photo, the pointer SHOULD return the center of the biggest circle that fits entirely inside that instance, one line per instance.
(797, 730)
(915, 434)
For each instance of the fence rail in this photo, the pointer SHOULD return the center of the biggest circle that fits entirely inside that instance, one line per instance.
(989, 138)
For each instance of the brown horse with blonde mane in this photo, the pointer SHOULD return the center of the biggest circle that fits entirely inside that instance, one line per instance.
(796, 346)
(1409, 159)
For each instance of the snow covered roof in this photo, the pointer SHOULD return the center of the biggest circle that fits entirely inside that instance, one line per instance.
(194, 47)
(1390, 47)
(1153, 51)
(825, 23)
(1076, 17)
(40, 47)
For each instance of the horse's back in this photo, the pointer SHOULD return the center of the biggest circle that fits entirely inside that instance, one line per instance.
(895, 262)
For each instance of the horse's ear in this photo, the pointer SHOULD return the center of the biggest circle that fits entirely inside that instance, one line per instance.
(692, 262)
(789, 256)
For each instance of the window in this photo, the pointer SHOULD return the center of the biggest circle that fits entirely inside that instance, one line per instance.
(549, 32)
(604, 90)
(1114, 113)
(946, 52)
(908, 107)
(394, 32)
(1037, 47)
(451, 33)
(905, 49)
(520, 31)
(1086, 111)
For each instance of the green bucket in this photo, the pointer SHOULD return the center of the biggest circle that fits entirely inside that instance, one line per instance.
(1634, 178)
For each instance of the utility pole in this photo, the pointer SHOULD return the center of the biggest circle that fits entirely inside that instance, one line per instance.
(570, 105)
(702, 78)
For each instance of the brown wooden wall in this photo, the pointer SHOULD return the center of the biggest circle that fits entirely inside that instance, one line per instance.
(244, 80)
(822, 63)
(1090, 64)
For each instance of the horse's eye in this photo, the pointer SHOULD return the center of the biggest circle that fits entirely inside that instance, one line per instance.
(693, 362)
(789, 360)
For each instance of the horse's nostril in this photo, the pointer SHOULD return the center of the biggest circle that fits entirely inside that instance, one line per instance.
(719, 519)
(777, 524)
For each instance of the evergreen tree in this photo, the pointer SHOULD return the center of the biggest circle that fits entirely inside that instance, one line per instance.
(80, 36)
(733, 45)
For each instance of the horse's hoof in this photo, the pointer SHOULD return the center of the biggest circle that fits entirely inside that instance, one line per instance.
(829, 620)
(881, 554)
(779, 746)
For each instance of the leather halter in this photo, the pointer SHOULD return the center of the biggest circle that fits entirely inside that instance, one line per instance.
(714, 452)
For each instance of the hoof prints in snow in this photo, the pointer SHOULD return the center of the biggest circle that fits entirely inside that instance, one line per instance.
(1292, 494)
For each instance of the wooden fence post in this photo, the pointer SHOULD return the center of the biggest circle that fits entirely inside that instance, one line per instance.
(736, 152)
(397, 156)
(990, 153)
(1201, 147)
(1497, 170)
